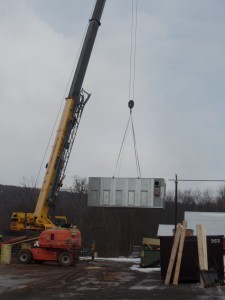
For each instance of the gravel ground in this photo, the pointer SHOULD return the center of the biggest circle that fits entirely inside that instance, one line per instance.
(101, 279)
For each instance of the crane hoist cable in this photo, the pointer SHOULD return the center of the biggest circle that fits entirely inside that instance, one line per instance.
(133, 49)
(132, 69)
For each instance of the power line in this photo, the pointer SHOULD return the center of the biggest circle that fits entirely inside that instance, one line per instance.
(213, 180)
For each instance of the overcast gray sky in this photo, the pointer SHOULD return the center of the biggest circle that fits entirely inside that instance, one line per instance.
(179, 87)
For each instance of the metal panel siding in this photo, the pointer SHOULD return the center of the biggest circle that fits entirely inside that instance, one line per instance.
(126, 192)
(131, 198)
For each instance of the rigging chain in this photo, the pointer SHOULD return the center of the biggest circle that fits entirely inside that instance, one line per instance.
(120, 156)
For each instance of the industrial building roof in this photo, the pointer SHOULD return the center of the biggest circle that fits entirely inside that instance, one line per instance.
(213, 221)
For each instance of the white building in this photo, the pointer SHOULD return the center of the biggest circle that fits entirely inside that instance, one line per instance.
(213, 221)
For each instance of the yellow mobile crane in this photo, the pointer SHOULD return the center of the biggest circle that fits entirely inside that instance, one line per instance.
(74, 105)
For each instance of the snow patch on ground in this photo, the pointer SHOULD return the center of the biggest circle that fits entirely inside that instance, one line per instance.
(144, 270)
(135, 267)
(121, 259)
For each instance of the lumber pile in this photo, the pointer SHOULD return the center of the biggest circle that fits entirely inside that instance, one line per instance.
(152, 243)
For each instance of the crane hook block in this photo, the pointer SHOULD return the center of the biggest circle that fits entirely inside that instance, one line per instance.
(131, 104)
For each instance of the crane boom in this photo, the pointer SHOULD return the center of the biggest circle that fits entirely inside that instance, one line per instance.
(68, 126)
(85, 54)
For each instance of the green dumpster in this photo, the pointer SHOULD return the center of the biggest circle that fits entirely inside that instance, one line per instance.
(149, 257)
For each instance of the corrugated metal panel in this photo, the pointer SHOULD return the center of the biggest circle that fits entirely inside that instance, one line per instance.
(127, 192)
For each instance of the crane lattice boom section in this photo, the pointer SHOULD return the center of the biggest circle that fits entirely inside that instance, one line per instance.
(68, 144)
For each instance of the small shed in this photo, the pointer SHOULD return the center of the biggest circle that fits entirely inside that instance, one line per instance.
(165, 230)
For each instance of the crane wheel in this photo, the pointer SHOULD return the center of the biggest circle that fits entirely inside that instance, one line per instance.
(24, 256)
(65, 259)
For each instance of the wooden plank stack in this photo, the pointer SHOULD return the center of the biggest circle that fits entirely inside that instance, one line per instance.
(202, 250)
(177, 252)
(178, 242)
(180, 253)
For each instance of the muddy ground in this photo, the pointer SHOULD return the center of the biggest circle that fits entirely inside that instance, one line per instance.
(101, 279)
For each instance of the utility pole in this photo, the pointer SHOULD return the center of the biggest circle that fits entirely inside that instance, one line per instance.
(175, 203)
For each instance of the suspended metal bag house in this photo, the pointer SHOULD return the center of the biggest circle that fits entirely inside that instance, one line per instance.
(126, 192)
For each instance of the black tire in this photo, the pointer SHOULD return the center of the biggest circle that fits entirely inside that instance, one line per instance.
(65, 259)
(24, 257)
